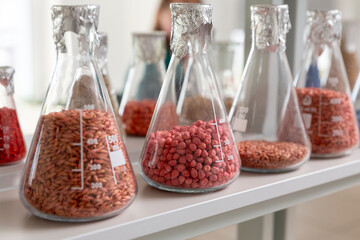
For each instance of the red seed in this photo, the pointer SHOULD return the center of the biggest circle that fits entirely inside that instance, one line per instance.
(215, 170)
(198, 152)
(204, 182)
(173, 163)
(193, 173)
(188, 181)
(192, 147)
(181, 145)
(181, 179)
(174, 174)
(189, 157)
(185, 173)
(202, 145)
(213, 178)
(198, 166)
(196, 141)
(207, 168)
(167, 167)
(201, 174)
(192, 163)
(180, 167)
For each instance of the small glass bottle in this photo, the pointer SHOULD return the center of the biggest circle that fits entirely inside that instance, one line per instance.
(323, 88)
(265, 116)
(102, 61)
(77, 168)
(12, 145)
(143, 85)
(190, 146)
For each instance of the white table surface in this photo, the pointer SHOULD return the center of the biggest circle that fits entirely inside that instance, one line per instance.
(158, 214)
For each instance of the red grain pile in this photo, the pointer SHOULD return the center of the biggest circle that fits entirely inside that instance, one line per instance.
(333, 128)
(189, 157)
(259, 154)
(137, 116)
(12, 145)
(50, 180)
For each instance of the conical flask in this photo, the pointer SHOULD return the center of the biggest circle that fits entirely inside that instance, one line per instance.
(265, 116)
(77, 167)
(189, 146)
(12, 145)
(323, 89)
(144, 81)
(102, 61)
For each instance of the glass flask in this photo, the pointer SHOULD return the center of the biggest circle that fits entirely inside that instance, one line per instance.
(265, 116)
(323, 88)
(228, 69)
(101, 56)
(349, 50)
(77, 168)
(189, 146)
(144, 81)
(12, 145)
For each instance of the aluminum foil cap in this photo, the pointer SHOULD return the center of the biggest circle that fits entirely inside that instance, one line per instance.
(188, 21)
(270, 24)
(149, 47)
(81, 20)
(6, 78)
(323, 26)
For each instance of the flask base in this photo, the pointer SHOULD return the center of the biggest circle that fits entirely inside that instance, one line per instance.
(184, 190)
(56, 218)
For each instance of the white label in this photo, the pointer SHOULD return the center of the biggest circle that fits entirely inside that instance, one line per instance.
(117, 158)
(113, 139)
(89, 107)
(307, 120)
(94, 167)
(335, 101)
(336, 118)
(96, 185)
(337, 132)
(91, 141)
(307, 100)
(240, 125)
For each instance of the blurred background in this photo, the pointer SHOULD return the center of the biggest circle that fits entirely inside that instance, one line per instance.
(26, 38)
(26, 43)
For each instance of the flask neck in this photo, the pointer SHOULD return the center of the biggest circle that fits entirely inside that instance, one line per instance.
(149, 47)
(323, 26)
(270, 24)
(191, 28)
(75, 45)
(6, 80)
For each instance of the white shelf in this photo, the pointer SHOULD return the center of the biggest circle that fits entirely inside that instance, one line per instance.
(158, 214)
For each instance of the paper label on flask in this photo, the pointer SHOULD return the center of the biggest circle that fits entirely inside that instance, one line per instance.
(117, 158)
(240, 125)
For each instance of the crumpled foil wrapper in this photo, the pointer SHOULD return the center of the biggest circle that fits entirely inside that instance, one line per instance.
(323, 26)
(6, 78)
(190, 20)
(149, 47)
(80, 20)
(270, 24)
